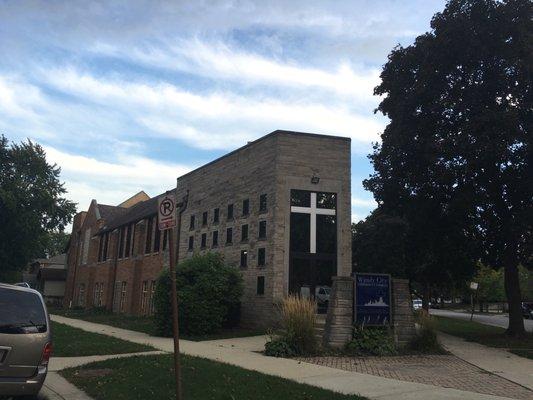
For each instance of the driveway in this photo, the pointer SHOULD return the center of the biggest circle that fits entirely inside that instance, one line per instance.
(501, 320)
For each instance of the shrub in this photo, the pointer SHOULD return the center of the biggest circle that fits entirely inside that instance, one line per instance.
(298, 324)
(371, 341)
(209, 293)
(279, 347)
(426, 339)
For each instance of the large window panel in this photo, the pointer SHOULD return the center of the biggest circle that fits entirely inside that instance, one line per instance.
(326, 234)
(300, 232)
(300, 198)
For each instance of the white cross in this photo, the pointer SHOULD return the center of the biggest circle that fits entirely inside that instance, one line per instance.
(313, 211)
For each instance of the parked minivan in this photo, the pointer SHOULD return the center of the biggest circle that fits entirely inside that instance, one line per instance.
(25, 341)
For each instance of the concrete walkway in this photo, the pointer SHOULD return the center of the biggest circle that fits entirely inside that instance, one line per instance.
(242, 352)
(497, 361)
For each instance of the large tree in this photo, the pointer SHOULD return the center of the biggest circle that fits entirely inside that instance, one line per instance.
(32, 206)
(460, 104)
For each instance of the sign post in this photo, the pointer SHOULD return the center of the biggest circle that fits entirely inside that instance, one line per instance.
(167, 219)
(372, 299)
(473, 286)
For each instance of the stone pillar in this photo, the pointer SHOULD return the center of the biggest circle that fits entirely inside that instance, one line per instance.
(339, 320)
(402, 312)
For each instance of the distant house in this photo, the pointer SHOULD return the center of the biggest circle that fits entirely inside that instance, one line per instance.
(48, 275)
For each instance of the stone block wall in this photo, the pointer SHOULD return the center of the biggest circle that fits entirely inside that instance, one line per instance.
(340, 317)
(402, 312)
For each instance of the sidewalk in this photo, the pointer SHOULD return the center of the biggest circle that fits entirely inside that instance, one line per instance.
(242, 352)
(497, 361)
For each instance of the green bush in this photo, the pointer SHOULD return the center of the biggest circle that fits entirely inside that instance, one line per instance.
(371, 341)
(426, 339)
(209, 293)
(279, 347)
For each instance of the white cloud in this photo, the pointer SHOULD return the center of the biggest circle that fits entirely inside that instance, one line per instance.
(173, 112)
(220, 61)
(112, 182)
(13, 103)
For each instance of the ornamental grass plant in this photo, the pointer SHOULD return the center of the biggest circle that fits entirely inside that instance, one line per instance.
(298, 329)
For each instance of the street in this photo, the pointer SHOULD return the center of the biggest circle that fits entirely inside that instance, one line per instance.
(501, 320)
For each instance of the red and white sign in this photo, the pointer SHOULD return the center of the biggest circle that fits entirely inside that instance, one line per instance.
(166, 211)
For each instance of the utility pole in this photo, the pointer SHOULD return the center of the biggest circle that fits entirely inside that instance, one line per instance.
(169, 218)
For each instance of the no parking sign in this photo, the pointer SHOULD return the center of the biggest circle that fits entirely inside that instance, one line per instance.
(166, 211)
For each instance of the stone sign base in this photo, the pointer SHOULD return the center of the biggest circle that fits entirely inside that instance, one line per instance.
(340, 316)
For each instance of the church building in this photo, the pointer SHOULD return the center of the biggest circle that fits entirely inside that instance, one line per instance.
(277, 208)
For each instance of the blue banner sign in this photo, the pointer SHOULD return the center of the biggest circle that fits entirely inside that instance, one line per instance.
(372, 299)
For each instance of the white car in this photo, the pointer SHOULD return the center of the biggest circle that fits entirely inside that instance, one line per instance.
(322, 294)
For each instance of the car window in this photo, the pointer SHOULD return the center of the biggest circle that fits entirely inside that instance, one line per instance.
(22, 312)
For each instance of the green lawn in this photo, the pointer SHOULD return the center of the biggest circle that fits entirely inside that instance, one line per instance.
(73, 342)
(151, 377)
(146, 324)
(487, 335)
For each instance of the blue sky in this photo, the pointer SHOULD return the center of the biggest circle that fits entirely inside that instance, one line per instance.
(129, 95)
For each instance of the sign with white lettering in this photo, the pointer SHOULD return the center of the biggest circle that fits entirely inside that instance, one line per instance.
(372, 299)
(166, 211)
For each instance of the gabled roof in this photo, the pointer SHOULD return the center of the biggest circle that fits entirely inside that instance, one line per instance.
(134, 214)
(110, 212)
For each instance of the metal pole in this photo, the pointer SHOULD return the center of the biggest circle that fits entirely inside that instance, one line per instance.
(174, 301)
(472, 305)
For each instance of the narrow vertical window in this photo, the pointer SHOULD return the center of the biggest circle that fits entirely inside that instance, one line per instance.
(128, 241)
(216, 215)
(204, 240)
(151, 299)
(191, 243)
(245, 207)
(144, 297)
(229, 236)
(263, 203)
(244, 258)
(106, 245)
(230, 211)
(262, 230)
(165, 239)
(149, 229)
(244, 233)
(204, 218)
(157, 239)
(215, 239)
(100, 247)
(260, 285)
(121, 242)
(192, 222)
(261, 257)
(123, 297)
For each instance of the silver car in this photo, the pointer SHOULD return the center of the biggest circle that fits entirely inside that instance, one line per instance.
(25, 341)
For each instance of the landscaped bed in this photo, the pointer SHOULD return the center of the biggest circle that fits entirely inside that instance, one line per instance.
(147, 324)
(487, 335)
(151, 377)
(73, 342)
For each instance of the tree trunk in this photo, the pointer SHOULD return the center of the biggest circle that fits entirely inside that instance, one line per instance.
(514, 298)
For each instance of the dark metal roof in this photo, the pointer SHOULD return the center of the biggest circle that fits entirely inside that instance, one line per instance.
(134, 213)
(110, 212)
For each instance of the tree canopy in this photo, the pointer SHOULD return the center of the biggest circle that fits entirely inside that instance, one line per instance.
(32, 206)
(457, 151)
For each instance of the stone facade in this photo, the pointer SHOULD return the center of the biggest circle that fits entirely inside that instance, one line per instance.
(271, 166)
(340, 318)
